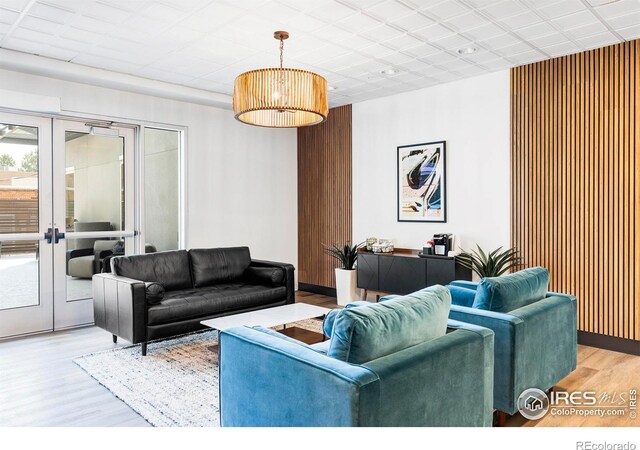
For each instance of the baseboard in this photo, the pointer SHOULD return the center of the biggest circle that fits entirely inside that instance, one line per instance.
(322, 290)
(609, 342)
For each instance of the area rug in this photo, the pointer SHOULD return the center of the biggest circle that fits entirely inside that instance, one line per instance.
(175, 385)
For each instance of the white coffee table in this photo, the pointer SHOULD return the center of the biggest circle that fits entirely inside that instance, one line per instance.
(269, 317)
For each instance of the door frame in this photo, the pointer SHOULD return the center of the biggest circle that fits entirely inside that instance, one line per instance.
(79, 312)
(37, 318)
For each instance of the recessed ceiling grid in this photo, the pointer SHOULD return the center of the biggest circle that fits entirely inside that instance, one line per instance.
(205, 44)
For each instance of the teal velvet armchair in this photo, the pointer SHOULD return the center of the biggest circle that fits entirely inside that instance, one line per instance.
(535, 331)
(268, 379)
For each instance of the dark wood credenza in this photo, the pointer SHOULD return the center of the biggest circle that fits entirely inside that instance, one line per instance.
(403, 271)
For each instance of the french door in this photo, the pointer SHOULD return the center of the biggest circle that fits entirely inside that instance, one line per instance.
(66, 204)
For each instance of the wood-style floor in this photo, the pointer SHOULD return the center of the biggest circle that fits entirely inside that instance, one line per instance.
(41, 386)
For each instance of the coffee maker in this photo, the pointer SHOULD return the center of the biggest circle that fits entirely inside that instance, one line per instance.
(442, 243)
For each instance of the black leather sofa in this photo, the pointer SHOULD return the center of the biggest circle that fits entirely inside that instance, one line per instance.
(159, 295)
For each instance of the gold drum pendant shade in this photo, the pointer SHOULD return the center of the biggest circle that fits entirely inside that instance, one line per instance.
(280, 97)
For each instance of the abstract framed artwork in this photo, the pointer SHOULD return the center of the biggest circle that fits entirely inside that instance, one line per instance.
(422, 192)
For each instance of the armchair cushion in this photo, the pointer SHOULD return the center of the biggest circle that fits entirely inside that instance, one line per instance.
(513, 291)
(461, 296)
(365, 333)
(267, 276)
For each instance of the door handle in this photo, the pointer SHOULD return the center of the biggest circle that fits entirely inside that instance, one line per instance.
(53, 234)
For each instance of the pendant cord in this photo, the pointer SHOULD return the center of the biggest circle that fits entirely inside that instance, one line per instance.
(281, 50)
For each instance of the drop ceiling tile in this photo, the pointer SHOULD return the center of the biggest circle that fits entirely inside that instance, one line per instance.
(466, 21)
(514, 49)
(107, 13)
(597, 40)
(561, 8)
(541, 29)
(126, 5)
(625, 21)
(381, 33)
(525, 19)
(70, 44)
(433, 32)
(482, 3)
(332, 12)
(630, 33)
(388, 10)
(396, 58)
(445, 10)
(552, 39)
(358, 22)
(76, 34)
(44, 26)
(276, 12)
(377, 51)
(212, 17)
(413, 21)
(619, 8)
(161, 75)
(7, 16)
(51, 13)
(575, 20)
(191, 6)
(14, 5)
(22, 45)
(439, 58)
(485, 31)
(90, 24)
(503, 9)
(403, 41)
(586, 30)
(481, 57)
(526, 57)
(59, 53)
(304, 23)
(565, 48)
(501, 41)
(31, 35)
(453, 42)
(422, 50)
(162, 13)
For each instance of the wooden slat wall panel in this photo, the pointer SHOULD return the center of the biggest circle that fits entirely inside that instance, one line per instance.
(575, 180)
(324, 194)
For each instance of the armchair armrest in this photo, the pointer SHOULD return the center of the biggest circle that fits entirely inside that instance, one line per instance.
(77, 253)
(119, 306)
(334, 393)
(289, 279)
(465, 284)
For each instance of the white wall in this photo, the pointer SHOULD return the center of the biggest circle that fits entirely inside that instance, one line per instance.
(472, 116)
(241, 182)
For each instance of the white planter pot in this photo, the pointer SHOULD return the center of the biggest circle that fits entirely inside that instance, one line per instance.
(346, 290)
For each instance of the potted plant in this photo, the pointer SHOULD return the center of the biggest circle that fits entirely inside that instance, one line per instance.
(492, 264)
(346, 290)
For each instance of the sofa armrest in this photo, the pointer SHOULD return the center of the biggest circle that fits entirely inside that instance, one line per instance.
(119, 306)
(289, 278)
(333, 392)
(535, 346)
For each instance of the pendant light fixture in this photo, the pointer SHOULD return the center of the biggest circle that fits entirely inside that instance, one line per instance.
(279, 97)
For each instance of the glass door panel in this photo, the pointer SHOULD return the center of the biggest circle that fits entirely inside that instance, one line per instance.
(92, 175)
(25, 215)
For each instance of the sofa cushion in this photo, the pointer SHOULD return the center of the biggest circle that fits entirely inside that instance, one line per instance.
(169, 268)
(512, 291)
(266, 276)
(154, 292)
(211, 266)
(365, 333)
(211, 300)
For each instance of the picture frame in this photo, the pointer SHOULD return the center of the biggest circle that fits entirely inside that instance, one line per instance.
(422, 187)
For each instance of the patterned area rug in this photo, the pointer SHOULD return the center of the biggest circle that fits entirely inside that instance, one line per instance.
(175, 385)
